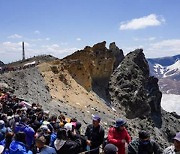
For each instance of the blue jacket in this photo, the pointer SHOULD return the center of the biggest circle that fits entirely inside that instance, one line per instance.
(18, 148)
(3, 143)
(29, 131)
(53, 138)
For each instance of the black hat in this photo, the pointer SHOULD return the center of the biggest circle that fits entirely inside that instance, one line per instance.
(119, 122)
(144, 134)
(110, 149)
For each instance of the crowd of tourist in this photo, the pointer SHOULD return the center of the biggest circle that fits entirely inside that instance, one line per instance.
(28, 129)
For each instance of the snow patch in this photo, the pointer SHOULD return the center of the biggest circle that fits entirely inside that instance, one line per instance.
(171, 103)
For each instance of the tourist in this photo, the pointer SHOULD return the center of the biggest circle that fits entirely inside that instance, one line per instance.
(118, 135)
(174, 149)
(143, 145)
(95, 135)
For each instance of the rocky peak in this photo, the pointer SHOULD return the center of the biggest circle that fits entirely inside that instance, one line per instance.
(131, 88)
(93, 66)
(1, 63)
(118, 53)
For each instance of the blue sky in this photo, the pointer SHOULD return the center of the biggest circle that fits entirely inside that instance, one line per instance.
(60, 27)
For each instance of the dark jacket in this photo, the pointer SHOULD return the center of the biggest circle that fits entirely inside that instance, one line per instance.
(137, 147)
(66, 147)
(95, 135)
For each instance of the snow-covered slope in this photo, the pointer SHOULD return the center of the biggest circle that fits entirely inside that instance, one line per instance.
(161, 71)
(171, 103)
(167, 70)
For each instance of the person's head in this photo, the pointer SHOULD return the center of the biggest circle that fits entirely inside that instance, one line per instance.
(110, 149)
(9, 137)
(120, 124)
(2, 124)
(40, 141)
(177, 141)
(61, 134)
(21, 137)
(24, 119)
(96, 120)
(144, 137)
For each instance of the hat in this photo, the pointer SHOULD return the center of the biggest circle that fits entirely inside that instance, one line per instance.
(1, 148)
(177, 137)
(1, 122)
(110, 149)
(68, 126)
(144, 134)
(74, 124)
(96, 118)
(119, 122)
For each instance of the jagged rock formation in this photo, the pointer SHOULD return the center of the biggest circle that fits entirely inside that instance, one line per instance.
(136, 95)
(93, 66)
(1, 63)
(127, 85)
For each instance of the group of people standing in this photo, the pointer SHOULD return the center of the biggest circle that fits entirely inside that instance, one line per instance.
(30, 130)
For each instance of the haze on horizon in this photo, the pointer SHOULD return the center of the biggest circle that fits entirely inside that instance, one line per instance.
(60, 27)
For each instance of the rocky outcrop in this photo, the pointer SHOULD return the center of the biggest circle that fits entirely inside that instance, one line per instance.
(136, 95)
(1, 63)
(128, 85)
(93, 66)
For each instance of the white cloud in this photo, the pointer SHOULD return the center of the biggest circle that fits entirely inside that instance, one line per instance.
(173, 44)
(78, 39)
(163, 48)
(37, 32)
(144, 39)
(14, 36)
(47, 39)
(143, 22)
(11, 51)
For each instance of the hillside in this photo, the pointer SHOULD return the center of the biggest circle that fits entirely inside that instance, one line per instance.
(91, 81)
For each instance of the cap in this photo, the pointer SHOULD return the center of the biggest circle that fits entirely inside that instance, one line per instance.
(96, 118)
(110, 149)
(144, 134)
(119, 122)
(1, 148)
(177, 137)
(68, 126)
(1, 122)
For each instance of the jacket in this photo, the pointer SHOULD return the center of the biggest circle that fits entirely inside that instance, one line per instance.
(66, 147)
(47, 150)
(116, 136)
(95, 135)
(18, 148)
(170, 150)
(29, 131)
(136, 147)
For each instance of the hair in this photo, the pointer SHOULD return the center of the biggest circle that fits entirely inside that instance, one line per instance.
(9, 136)
(21, 137)
(61, 134)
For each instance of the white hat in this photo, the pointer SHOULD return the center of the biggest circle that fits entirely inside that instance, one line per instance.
(1, 149)
(68, 126)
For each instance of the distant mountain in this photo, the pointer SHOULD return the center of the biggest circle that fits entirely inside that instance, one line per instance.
(167, 69)
(1, 63)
